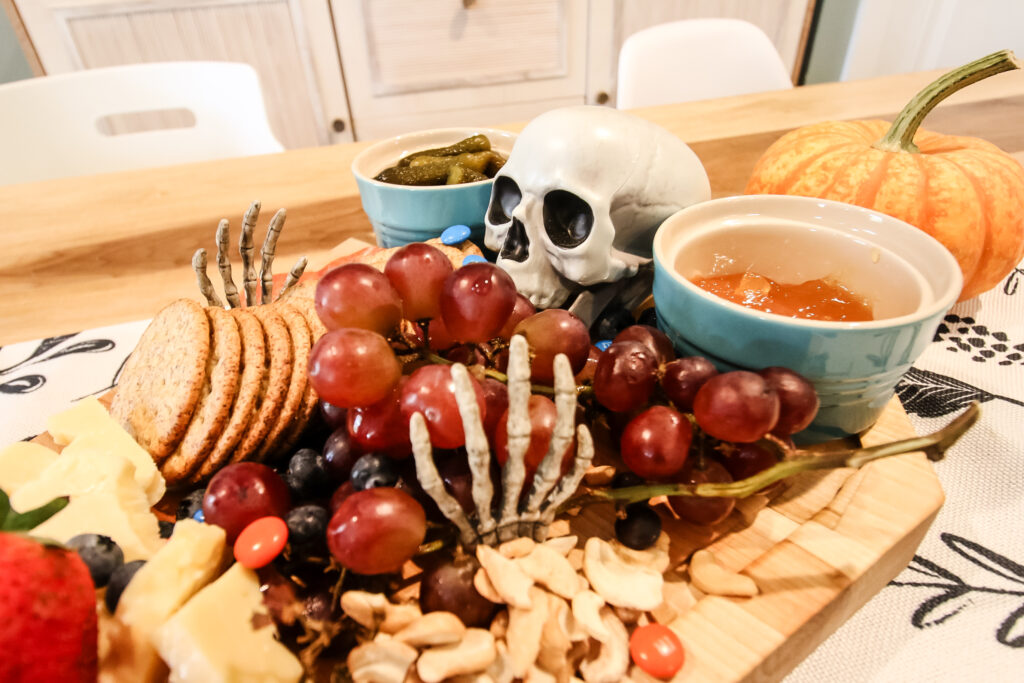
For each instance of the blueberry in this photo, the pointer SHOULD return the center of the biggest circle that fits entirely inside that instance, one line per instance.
(307, 475)
(611, 322)
(373, 470)
(166, 528)
(119, 581)
(640, 528)
(189, 504)
(306, 523)
(101, 555)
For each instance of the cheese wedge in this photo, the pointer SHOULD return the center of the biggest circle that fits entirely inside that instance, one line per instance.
(192, 558)
(107, 502)
(22, 462)
(87, 426)
(212, 639)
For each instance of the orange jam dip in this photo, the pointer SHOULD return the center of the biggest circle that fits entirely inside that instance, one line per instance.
(814, 299)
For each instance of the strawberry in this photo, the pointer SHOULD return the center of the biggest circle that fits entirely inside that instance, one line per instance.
(48, 627)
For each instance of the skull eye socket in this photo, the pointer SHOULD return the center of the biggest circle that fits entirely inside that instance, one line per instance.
(505, 196)
(567, 219)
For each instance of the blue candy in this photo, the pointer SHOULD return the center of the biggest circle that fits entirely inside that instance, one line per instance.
(456, 234)
(473, 258)
(603, 344)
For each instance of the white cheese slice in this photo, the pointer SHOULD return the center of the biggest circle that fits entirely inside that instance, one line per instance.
(85, 416)
(192, 558)
(87, 426)
(212, 638)
(74, 475)
(22, 462)
(112, 505)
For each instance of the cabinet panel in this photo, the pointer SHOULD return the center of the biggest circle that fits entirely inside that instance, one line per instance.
(303, 90)
(408, 62)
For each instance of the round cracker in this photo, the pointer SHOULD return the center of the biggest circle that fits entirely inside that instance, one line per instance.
(253, 373)
(299, 332)
(303, 301)
(215, 400)
(310, 399)
(276, 380)
(159, 387)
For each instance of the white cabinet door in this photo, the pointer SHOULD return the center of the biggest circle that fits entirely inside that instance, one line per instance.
(412, 64)
(290, 43)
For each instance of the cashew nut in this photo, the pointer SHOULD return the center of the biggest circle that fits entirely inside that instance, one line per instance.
(559, 527)
(499, 624)
(714, 579)
(500, 669)
(751, 506)
(384, 661)
(678, 599)
(586, 610)
(613, 658)
(524, 632)
(473, 654)
(599, 475)
(537, 675)
(620, 583)
(363, 607)
(552, 570)
(517, 547)
(485, 588)
(628, 615)
(508, 579)
(563, 544)
(433, 628)
(656, 557)
(397, 617)
(554, 639)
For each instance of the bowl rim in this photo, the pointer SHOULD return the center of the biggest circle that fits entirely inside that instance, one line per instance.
(412, 135)
(943, 299)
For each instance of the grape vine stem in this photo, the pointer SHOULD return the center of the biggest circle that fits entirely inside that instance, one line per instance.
(934, 445)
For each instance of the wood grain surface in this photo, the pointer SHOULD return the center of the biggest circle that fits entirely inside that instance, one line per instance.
(84, 252)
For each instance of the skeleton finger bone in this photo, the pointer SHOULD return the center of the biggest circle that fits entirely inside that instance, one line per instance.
(224, 264)
(205, 285)
(477, 451)
(430, 480)
(293, 276)
(570, 482)
(514, 471)
(267, 255)
(246, 249)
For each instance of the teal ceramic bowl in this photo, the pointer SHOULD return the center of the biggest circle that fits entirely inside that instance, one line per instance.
(401, 214)
(909, 279)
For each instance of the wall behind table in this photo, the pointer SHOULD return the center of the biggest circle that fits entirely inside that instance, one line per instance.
(13, 65)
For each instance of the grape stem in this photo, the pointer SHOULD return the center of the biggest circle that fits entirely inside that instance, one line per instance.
(934, 446)
(581, 389)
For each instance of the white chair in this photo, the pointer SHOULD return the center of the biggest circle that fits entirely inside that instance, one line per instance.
(53, 126)
(697, 59)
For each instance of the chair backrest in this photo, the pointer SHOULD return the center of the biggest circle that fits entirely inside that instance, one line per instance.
(54, 126)
(697, 59)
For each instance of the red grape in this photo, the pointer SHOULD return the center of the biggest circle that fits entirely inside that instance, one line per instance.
(798, 402)
(656, 442)
(458, 479)
(376, 531)
(333, 416)
(542, 413)
(747, 459)
(625, 376)
(340, 454)
(550, 333)
(439, 336)
(705, 511)
(340, 494)
(476, 300)
(418, 271)
(496, 399)
(380, 426)
(736, 406)
(353, 367)
(522, 310)
(431, 391)
(358, 295)
(656, 340)
(683, 377)
(448, 587)
(241, 493)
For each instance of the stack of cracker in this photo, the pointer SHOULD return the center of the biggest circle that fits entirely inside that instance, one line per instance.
(207, 386)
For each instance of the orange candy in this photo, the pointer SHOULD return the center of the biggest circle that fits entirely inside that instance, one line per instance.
(657, 650)
(260, 542)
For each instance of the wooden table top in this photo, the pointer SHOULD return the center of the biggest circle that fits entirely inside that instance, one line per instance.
(96, 250)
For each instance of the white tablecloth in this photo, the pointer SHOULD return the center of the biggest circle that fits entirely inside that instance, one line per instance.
(955, 614)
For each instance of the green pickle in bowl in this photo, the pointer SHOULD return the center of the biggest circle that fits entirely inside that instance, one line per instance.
(467, 161)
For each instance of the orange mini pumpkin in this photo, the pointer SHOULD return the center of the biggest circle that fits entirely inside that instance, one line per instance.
(965, 192)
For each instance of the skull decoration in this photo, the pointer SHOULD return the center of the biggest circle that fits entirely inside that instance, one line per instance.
(580, 197)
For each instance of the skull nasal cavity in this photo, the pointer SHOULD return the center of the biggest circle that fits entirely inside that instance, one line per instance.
(517, 244)
(505, 196)
(567, 219)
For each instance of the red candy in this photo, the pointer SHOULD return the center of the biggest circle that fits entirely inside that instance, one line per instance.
(657, 650)
(261, 541)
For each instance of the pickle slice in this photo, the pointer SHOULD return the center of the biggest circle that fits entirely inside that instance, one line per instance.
(474, 143)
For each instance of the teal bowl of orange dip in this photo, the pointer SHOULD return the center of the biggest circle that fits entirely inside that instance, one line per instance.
(846, 296)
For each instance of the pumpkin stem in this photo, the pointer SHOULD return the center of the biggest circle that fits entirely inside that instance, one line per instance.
(900, 136)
